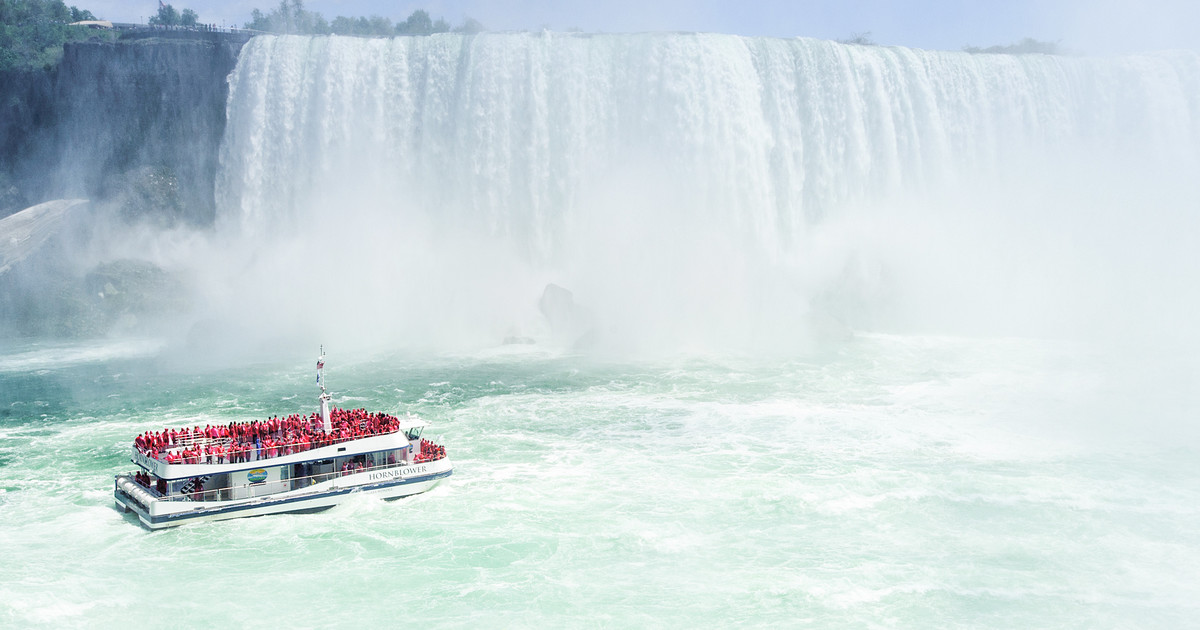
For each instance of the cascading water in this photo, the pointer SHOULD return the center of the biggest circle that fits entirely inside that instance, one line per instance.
(690, 185)
(769, 135)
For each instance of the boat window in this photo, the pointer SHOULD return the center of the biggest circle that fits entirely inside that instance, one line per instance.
(219, 483)
(413, 433)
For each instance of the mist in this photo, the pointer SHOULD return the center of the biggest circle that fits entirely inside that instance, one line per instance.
(700, 193)
(696, 194)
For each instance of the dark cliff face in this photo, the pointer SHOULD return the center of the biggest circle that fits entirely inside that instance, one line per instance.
(26, 112)
(136, 127)
(134, 123)
(140, 123)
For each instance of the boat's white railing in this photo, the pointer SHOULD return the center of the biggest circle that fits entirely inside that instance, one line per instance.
(297, 447)
(213, 494)
(189, 437)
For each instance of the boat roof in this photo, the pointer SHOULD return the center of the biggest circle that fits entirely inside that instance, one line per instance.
(410, 421)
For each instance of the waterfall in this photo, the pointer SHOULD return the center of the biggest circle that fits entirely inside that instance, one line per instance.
(681, 173)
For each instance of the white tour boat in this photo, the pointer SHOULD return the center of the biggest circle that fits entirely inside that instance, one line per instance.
(299, 463)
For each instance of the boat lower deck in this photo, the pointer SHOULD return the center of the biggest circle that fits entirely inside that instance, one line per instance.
(304, 494)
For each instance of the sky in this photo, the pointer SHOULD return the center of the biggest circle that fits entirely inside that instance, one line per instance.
(1095, 27)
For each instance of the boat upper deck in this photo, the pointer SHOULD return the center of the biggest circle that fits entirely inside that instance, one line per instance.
(257, 440)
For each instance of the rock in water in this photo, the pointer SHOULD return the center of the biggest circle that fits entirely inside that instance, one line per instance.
(24, 233)
(45, 290)
(570, 323)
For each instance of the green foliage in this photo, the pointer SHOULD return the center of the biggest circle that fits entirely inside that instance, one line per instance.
(374, 26)
(859, 39)
(470, 26)
(149, 192)
(419, 23)
(291, 17)
(167, 16)
(126, 288)
(32, 32)
(1027, 46)
(343, 25)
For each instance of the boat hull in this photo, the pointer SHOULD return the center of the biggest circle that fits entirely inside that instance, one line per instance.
(156, 513)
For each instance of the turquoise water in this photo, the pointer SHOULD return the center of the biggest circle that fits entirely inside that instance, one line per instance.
(888, 481)
(694, 193)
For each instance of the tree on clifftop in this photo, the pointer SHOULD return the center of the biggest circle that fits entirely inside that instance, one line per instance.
(167, 16)
(290, 17)
(1027, 46)
(470, 26)
(32, 32)
(419, 23)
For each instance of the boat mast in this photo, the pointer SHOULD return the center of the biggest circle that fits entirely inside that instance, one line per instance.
(324, 398)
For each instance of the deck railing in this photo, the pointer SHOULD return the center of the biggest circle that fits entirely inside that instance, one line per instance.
(189, 441)
(214, 494)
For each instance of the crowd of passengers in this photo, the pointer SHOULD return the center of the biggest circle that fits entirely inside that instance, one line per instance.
(159, 484)
(239, 442)
(429, 452)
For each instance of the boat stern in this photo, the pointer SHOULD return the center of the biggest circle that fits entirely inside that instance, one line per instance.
(130, 496)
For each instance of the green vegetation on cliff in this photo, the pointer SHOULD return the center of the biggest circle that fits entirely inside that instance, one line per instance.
(291, 17)
(1027, 46)
(168, 16)
(32, 32)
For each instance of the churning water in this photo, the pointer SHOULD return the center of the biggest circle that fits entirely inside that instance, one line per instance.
(878, 337)
(893, 481)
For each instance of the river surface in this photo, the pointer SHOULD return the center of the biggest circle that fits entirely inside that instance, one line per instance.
(885, 481)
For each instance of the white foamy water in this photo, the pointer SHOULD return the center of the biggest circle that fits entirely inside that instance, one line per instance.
(50, 355)
(894, 481)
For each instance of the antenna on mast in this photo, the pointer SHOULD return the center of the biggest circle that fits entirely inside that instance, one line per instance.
(321, 369)
(324, 397)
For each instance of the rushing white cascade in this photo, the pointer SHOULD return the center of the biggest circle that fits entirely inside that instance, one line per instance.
(582, 153)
